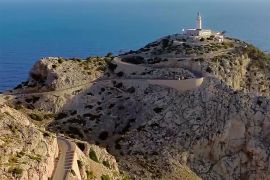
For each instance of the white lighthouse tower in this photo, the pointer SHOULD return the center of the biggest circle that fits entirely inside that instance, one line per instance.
(199, 21)
(198, 32)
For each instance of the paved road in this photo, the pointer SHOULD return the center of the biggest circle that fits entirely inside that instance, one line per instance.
(188, 57)
(93, 82)
(66, 157)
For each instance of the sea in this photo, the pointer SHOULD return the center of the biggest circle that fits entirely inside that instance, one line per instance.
(30, 30)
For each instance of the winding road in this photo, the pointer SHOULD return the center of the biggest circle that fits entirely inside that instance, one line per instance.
(67, 161)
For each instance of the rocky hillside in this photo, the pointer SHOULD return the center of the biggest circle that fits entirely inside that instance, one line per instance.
(238, 64)
(217, 131)
(27, 152)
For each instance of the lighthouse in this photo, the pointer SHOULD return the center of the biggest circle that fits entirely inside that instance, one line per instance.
(198, 32)
(199, 21)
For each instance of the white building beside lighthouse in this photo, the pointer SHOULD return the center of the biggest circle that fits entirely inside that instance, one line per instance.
(199, 32)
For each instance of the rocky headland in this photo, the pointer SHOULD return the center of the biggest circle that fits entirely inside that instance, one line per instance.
(174, 109)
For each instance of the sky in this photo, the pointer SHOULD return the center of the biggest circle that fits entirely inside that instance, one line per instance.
(132, 0)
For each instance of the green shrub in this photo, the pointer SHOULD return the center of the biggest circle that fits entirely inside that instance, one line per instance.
(45, 134)
(76, 59)
(105, 177)
(92, 155)
(103, 135)
(131, 90)
(60, 60)
(81, 146)
(134, 60)
(48, 116)
(13, 159)
(38, 77)
(209, 70)
(89, 58)
(61, 115)
(20, 154)
(80, 164)
(87, 68)
(75, 131)
(165, 42)
(120, 74)
(90, 175)
(18, 106)
(107, 164)
(35, 157)
(158, 110)
(7, 113)
(126, 177)
(19, 86)
(101, 68)
(257, 63)
(73, 172)
(112, 66)
(256, 53)
(109, 54)
(35, 99)
(36, 117)
(15, 171)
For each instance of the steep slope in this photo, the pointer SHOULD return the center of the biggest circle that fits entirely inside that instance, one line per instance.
(30, 152)
(238, 64)
(26, 151)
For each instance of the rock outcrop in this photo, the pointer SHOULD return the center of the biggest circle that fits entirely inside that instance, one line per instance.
(27, 152)
(30, 152)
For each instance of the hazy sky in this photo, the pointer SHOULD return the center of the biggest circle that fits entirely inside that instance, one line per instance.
(132, 0)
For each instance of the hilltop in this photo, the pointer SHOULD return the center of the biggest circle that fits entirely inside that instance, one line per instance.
(177, 108)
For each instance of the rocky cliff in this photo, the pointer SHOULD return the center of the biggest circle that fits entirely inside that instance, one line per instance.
(27, 152)
(30, 152)
(217, 131)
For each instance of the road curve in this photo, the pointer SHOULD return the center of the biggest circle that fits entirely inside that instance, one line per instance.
(66, 159)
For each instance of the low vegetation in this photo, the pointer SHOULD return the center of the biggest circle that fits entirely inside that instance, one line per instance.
(15, 171)
(36, 117)
(61, 115)
(105, 177)
(256, 53)
(158, 110)
(93, 156)
(80, 164)
(134, 59)
(38, 78)
(60, 60)
(126, 177)
(75, 131)
(81, 146)
(106, 163)
(112, 66)
(40, 116)
(90, 175)
(35, 157)
(103, 135)
(120, 74)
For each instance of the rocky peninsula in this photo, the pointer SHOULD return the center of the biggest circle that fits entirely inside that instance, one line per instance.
(177, 108)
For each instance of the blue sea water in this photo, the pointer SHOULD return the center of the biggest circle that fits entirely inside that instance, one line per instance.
(31, 30)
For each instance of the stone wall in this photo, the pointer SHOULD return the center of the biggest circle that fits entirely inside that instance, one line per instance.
(128, 68)
(180, 85)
